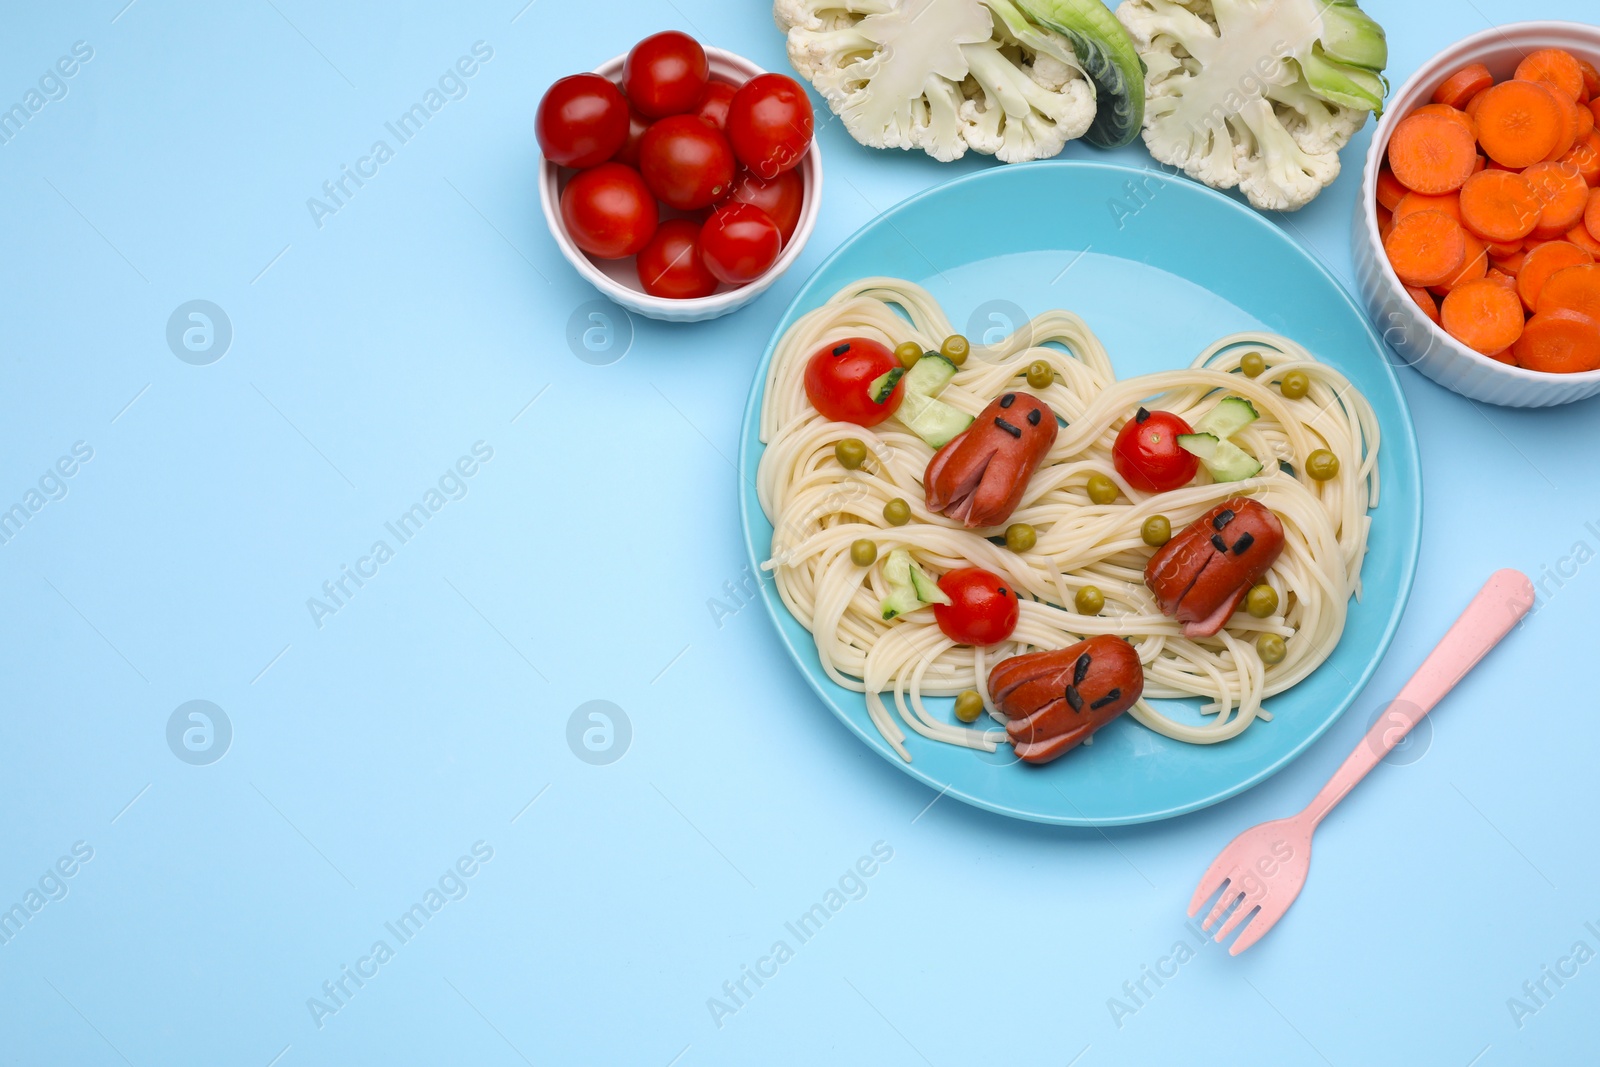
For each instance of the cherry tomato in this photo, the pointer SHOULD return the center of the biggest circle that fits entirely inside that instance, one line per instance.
(670, 264)
(1147, 454)
(685, 162)
(713, 107)
(781, 197)
(582, 120)
(983, 608)
(665, 74)
(608, 211)
(629, 152)
(769, 123)
(838, 376)
(739, 242)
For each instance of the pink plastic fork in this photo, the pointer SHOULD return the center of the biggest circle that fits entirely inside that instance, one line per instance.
(1261, 872)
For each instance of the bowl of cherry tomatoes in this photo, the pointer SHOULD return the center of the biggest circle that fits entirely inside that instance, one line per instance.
(679, 180)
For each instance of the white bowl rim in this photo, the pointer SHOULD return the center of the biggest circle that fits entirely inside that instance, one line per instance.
(723, 302)
(1369, 178)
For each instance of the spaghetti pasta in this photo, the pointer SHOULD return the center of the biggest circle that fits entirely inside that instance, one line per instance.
(817, 508)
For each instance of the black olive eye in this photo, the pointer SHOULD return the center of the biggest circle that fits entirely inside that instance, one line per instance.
(1033, 417)
(1141, 415)
(1001, 590)
(842, 349)
(1007, 400)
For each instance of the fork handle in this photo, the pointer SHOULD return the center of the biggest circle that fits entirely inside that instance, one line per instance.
(1502, 602)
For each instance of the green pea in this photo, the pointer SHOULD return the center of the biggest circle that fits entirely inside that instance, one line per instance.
(850, 453)
(1102, 490)
(1261, 601)
(1322, 464)
(955, 349)
(1295, 385)
(1271, 649)
(1252, 364)
(908, 352)
(1040, 374)
(1020, 537)
(1156, 531)
(969, 705)
(1089, 601)
(897, 512)
(863, 553)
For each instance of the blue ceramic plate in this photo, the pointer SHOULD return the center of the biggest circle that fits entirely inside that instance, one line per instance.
(1160, 268)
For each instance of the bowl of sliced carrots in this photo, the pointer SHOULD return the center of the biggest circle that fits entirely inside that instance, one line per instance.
(1477, 246)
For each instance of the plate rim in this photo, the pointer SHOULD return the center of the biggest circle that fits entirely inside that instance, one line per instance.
(774, 604)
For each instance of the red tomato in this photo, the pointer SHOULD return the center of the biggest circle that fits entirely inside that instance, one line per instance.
(739, 242)
(608, 211)
(837, 378)
(670, 264)
(665, 74)
(1147, 453)
(685, 162)
(713, 107)
(781, 197)
(770, 124)
(629, 152)
(582, 120)
(983, 608)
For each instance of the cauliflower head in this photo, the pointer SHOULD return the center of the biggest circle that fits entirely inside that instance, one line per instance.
(1257, 94)
(948, 75)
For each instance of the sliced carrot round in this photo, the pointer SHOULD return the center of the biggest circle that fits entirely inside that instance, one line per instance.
(1471, 106)
(1499, 205)
(1389, 188)
(1474, 264)
(1511, 264)
(1482, 315)
(1563, 196)
(1553, 66)
(1585, 120)
(1559, 342)
(1412, 203)
(1591, 78)
(1424, 300)
(1581, 237)
(1585, 155)
(1518, 124)
(1453, 113)
(1591, 214)
(1594, 109)
(1432, 154)
(1501, 278)
(1463, 85)
(1426, 248)
(1574, 288)
(1569, 126)
(1543, 262)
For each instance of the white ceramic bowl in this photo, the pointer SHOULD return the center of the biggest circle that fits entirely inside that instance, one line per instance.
(1414, 338)
(619, 278)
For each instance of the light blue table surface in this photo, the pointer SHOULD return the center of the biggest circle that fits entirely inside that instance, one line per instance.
(416, 739)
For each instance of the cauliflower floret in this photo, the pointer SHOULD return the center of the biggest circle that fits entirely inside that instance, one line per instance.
(1258, 94)
(942, 75)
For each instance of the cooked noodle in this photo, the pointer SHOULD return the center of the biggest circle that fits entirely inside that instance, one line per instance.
(817, 508)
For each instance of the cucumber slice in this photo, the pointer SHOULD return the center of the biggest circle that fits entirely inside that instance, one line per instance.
(1224, 460)
(932, 420)
(881, 386)
(1232, 414)
(909, 586)
(902, 593)
(929, 374)
(928, 590)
